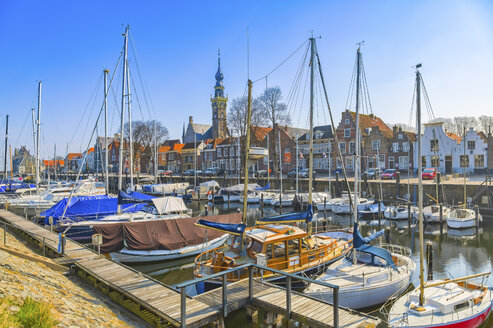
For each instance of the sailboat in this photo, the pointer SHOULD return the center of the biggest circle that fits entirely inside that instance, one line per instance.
(368, 275)
(440, 303)
(272, 241)
(463, 217)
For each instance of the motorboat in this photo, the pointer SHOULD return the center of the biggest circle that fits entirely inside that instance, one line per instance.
(431, 213)
(399, 212)
(462, 218)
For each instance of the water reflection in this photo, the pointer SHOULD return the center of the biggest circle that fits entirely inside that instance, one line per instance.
(455, 252)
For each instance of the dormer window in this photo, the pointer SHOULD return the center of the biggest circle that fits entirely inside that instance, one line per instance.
(399, 136)
(347, 121)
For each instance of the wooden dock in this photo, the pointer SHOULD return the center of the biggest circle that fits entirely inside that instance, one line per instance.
(161, 306)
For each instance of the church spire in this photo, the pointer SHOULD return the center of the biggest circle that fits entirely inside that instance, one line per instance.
(219, 76)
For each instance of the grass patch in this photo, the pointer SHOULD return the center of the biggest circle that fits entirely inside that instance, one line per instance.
(35, 314)
(7, 319)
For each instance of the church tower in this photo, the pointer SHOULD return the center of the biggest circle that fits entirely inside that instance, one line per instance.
(219, 102)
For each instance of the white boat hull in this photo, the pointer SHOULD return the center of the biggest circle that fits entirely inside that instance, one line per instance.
(131, 256)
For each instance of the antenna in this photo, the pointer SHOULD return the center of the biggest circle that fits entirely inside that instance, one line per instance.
(359, 44)
(248, 53)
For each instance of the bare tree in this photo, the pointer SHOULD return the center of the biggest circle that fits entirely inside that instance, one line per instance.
(448, 123)
(145, 134)
(274, 109)
(463, 122)
(485, 123)
(237, 115)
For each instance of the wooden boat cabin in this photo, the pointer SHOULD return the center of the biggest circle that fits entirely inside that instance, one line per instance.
(279, 247)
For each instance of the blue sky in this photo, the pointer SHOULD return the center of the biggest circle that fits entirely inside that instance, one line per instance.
(66, 44)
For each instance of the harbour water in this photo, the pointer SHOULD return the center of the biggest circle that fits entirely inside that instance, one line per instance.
(455, 252)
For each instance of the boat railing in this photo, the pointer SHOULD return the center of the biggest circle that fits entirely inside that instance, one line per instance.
(396, 249)
(250, 268)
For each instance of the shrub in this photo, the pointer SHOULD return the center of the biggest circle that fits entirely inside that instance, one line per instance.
(33, 314)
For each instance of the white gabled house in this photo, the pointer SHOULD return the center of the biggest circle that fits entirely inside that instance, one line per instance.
(475, 159)
(438, 148)
(445, 150)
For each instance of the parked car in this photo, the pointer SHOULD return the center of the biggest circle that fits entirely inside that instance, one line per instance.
(165, 172)
(189, 172)
(429, 173)
(373, 173)
(261, 173)
(292, 173)
(210, 172)
(389, 174)
(304, 173)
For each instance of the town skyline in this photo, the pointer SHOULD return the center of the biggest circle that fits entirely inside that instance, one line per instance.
(178, 60)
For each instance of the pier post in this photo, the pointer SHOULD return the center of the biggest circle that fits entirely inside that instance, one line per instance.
(250, 284)
(409, 214)
(338, 188)
(325, 209)
(335, 302)
(387, 235)
(213, 194)
(397, 184)
(288, 297)
(262, 204)
(429, 258)
(44, 247)
(365, 182)
(476, 215)
(225, 295)
(441, 214)
(228, 203)
(438, 181)
(206, 210)
(183, 307)
(63, 244)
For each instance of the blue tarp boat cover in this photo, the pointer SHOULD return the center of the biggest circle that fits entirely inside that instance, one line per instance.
(124, 198)
(236, 229)
(7, 185)
(306, 216)
(90, 207)
(359, 241)
(264, 188)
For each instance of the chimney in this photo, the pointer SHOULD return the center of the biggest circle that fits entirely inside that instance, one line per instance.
(190, 119)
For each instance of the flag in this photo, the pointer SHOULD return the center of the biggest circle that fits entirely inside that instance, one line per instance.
(301, 155)
(324, 155)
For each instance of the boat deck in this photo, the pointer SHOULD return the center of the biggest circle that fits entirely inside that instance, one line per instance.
(160, 305)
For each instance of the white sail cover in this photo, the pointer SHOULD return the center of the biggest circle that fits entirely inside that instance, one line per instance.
(166, 205)
(210, 184)
(169, 188)
(239, 188)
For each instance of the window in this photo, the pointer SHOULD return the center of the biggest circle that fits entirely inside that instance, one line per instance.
(352, 149)
(434, 145)
(264, 160)
(349, 162)
(391, 162)
(423, 161)
(339, 164)
(231, 164)
(293, 247)
(395, 147)
(435, 161)
(347, 133)
(225, 152)
(232, 151)
(219, 152)
(399, 136)
(478, 160)
(375, 144)
(403, 162)
(471, 144)
(347, 121)
(464, 160)
(268, 252)
(371, 162)
(405, 146)
(342, 147)
(279, 250)
(381, 161)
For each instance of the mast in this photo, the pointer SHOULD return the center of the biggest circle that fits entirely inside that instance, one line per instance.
(310, 159)
(465, 179)
(6, 145)
(280, 159)
(37, 137)
(195, 160)
(11, 172)
(130, 134)
(296, 163)
(34, 136)
(420, 188)
(155, 152)
(247, 150)
(357, 138)
(106, 177)
(54, 161)
(268, 160)
(124, 80)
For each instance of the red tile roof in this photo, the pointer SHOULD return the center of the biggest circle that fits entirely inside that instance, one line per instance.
(370, 121)
(71, 156)
(163, 149)
(260, 133)
(52, 163)
(454, 137)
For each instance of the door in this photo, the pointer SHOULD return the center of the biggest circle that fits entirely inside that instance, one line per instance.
(448, 164)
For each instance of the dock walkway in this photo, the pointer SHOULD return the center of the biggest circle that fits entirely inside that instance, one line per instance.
(161, 305)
